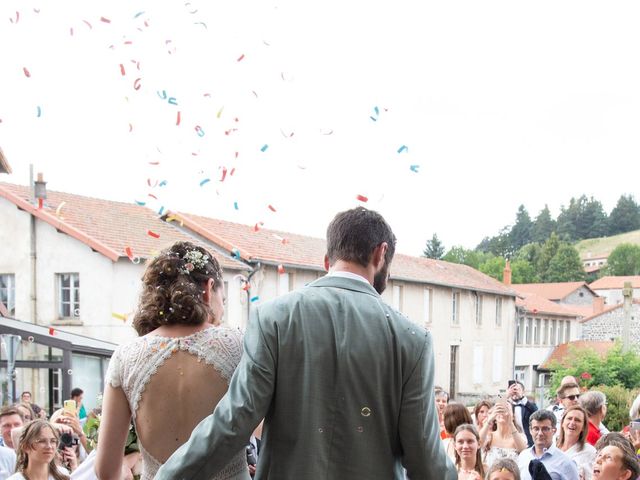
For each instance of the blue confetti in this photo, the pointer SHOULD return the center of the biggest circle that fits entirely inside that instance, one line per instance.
(414, 168)
(138, 14)
(39, 111)
(172, 101)
(163, 96)
(403, 148)
(161, 210)
(255, 299)
(206, 180)
(235, 205)
(264, 148)
(142, 204)
(162, 183)
(235, 253)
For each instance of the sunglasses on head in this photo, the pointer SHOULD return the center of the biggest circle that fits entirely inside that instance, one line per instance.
(573, 397)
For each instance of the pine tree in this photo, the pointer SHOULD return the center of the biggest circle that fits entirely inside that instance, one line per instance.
(543, 226)
(565, 266)
(549, 250)
(521, 232)
(625, 216)
(434, 248)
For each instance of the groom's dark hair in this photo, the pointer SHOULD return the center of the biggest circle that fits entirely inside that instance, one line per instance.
(353, 235)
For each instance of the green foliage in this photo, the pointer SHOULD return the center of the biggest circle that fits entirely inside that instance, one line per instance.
(549, 250)
(500, 245)
(625, 216)
(522, 272)
(494, 267)
(463, 256)
(543, 226)
(565, 266)
(624, 260)
(617, 368)
(520, 233)
(434, 249)
(619, 401)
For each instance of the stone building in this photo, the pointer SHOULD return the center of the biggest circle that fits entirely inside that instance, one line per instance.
(610, 288)
(608, 324)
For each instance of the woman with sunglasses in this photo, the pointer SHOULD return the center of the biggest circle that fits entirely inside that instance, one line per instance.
(571, 439)
(36, 453)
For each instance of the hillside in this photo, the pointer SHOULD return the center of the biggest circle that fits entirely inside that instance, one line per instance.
(601, 247)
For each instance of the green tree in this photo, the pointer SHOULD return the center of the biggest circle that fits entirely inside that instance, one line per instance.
(549, 250)
(522, 271)
(565, 266)
(494, 267)
(530, 253)
(568, 219)
(625, 216)
(543, 226)
(594, 222)
(521, 231)
(624, 260)
(500, 245)
(463, 256)
(434, 248)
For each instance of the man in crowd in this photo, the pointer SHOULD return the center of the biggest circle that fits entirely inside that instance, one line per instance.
(77, 394)
(522, 407)
(343, 381)
(568, 395)
(544, 452)
(26, 397)
(10, 418)
(7, 462)
(595, 403)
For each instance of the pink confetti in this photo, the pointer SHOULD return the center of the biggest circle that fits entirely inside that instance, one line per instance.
(105, 20)
(257, 226)
(122, 71)
(153, 234)
(136, 84)
(270, 207)
(362, 198)
(26, 71)
(240, 57)
(88, 24)
(178, 118)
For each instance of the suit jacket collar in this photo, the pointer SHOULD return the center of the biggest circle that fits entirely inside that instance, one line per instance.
(346, 283)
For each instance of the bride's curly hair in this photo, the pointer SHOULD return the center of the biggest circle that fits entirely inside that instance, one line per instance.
(173, 288)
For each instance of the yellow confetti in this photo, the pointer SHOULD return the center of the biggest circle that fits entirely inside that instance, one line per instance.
(119, 316)
(219, 112)
(59, 209)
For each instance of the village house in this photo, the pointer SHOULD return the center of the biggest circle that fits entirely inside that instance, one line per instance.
(74, 265)
(611, 288)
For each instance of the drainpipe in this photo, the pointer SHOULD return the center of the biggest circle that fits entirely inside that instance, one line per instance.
(255, 270)
(32, 254)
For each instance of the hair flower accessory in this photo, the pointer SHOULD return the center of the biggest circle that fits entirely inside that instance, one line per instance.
(193, 260)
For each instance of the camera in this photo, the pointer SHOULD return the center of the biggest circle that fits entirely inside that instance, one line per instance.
(68, 440)
(251, 457)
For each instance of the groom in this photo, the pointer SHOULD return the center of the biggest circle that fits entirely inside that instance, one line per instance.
(343, 381)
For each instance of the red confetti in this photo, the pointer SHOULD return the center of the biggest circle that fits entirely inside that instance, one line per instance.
(233, 170)
(257, 226)
(153, 234)
(362, 198)
(236, 154)
(153, 196)
(71, 31)
(105, 20)
(271, 208)
(136, 84)
(246, 286)
(224, 174)
(122, 70)
(149, 183)
(280, 269)
(17, 17)
(178, 118)
(129, 253)
(26, 72)
(154, 163)
(51, 331)
(88, 24)
(130, 128)
(240, 57)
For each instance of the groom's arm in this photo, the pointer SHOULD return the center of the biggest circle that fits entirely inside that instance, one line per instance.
(223, 434)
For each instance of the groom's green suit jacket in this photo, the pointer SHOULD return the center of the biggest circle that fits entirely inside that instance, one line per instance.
(344, 383)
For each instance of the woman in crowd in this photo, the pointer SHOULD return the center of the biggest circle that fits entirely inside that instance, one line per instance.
(442, 399)
(616, 462)
(455, 414)
(467, 453)
(36, 453)
(173, 376)
(571, 439)
(500, 437)
(504, 469)
(26, 410)
(481, 412)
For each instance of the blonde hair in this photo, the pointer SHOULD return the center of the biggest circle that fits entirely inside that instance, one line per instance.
(27, 439)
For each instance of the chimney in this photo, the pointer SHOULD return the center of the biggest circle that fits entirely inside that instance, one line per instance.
(598, 304)
(506, 274)
(40, 190)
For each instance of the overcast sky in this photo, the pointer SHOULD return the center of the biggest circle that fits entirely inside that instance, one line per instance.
(496, 104)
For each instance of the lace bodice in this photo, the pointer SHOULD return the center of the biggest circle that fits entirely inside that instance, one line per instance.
(133, 365)
(498, 453)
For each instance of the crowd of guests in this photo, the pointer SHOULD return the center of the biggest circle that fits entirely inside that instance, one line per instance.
(33, 447)
(509, 438)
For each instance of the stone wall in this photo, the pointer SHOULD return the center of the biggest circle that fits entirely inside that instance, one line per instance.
(581, 296)
(608, 326)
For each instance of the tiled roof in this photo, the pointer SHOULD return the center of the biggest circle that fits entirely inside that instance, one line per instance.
(606, 283)
(277, 247)
(580, 310)
(536, 304)
(550, 291)
(560, 354)
(593, 268)
(4, 163)
(607, 309)
(106, 226)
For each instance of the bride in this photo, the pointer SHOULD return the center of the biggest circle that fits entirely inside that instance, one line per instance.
(174, 374)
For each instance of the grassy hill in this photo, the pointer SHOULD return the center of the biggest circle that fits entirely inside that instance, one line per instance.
(599, 247)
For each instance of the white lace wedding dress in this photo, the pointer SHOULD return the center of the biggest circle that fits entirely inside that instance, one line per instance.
(182, 390)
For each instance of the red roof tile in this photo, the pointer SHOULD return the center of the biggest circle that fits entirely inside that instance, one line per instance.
(561, 354)
(607, 309)
(535, 304)
(606, 283)
(106, 226)
(550, 291)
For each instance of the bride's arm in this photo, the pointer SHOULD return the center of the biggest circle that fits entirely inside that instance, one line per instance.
(114, 427)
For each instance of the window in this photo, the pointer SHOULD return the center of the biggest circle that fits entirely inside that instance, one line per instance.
(478, 307)
(567, 332)
(553, 335)
(520, 374)
(398, 293)
(536, 331)
(528, 327)
(455, 304)
(560, 332)
(427, 305)
(8, 292)
(545, 332)
(285, 283)
(68, 295)
(519, 330)
(498, 312)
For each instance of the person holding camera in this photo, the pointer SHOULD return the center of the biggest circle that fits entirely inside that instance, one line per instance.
(523, 408)
(37, 452)
(500, 437)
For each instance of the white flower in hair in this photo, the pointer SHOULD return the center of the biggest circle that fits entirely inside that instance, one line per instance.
(193, 260)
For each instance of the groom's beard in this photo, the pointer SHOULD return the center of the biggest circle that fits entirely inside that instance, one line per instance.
(380, 279)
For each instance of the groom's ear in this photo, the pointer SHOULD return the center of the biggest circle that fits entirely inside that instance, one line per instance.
(326, 263)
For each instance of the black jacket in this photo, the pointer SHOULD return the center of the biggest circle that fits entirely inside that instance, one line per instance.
(527, 410)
